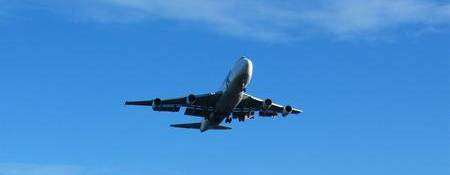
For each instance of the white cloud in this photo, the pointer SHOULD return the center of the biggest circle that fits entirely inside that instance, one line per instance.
(271, 20)
(352, 17)
(239, 18)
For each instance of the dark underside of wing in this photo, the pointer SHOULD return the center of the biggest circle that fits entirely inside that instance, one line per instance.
(140, 103)
(265, 107)
(196, 105)
(204, 104)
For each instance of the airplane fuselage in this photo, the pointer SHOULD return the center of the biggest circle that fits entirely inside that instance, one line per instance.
(232, 92)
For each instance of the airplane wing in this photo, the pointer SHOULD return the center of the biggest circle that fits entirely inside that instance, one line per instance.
(250, 104)
(202, 105)
(194, 103)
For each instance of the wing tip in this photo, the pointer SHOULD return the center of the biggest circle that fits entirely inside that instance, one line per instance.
(297, 111)
(139, 103)
(127, 103)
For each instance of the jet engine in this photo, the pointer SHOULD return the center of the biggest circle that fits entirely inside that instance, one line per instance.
(157, 102)
(190, 99)
(267, 103)
(287, 110)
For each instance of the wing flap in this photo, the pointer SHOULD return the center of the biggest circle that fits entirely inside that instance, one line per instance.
(197, 112)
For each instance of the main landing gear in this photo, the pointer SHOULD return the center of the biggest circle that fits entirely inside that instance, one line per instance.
(228, 119)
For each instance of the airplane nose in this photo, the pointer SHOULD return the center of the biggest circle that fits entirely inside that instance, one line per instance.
(247, 66)
(246, 62)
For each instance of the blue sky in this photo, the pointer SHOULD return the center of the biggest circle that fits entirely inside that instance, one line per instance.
(372, 78)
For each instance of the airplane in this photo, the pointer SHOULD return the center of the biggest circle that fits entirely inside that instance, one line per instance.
(230, 102)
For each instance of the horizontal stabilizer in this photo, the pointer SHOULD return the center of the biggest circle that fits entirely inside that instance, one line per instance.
(187, 125)
(197, 126)
(219, 127)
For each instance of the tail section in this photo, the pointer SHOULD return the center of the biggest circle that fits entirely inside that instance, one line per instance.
(219, 127)
(187, 125)
(199, 126)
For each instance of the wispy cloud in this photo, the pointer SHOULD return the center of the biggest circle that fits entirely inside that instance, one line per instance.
(354, 17)
(270, 20)
(238, 18)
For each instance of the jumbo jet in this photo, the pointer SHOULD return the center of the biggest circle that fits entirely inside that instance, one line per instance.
(230, 102)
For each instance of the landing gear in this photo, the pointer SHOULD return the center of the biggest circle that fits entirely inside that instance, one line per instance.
(228, 120)
(241, 118)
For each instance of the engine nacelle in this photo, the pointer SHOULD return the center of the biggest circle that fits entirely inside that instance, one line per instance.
(267, 103)
(190, 99)
(156, 105)
(287, 110)
(156, 102)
